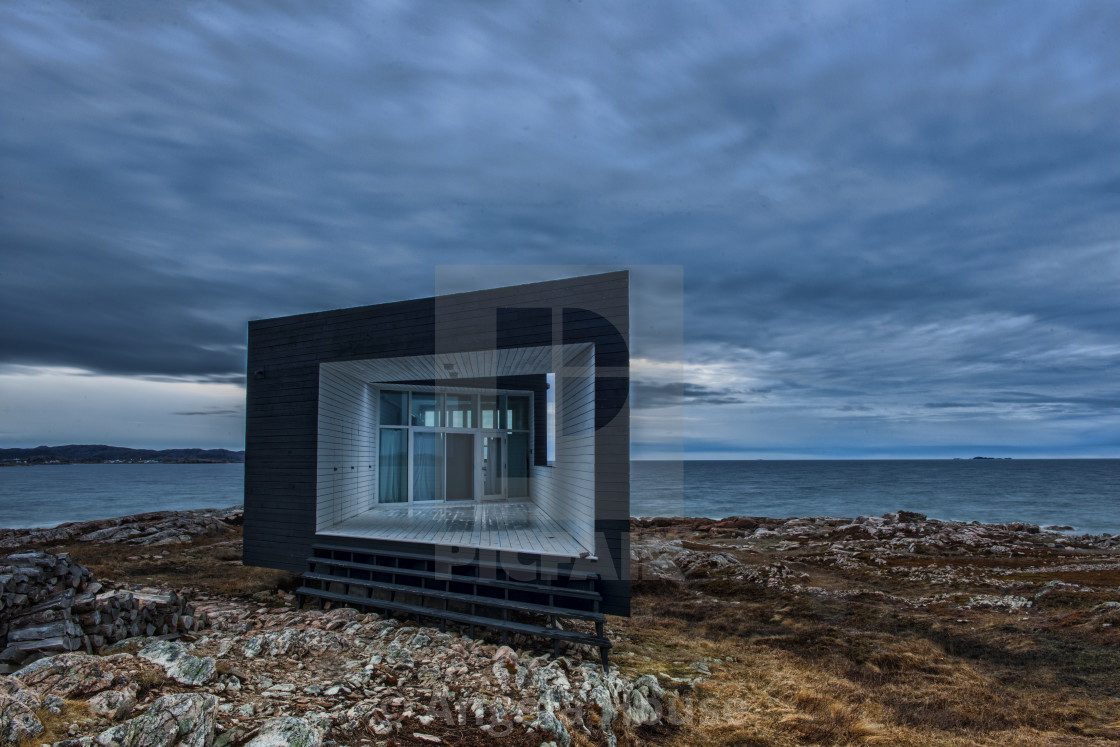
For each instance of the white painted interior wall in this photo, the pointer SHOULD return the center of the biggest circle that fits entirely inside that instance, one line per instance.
(347, 447)
(566, 490)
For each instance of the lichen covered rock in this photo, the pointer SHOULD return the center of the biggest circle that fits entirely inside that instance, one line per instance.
(18, 705)
(113, 704)
(180, 665)
(182, 720)
(287, 731)
(76, 675)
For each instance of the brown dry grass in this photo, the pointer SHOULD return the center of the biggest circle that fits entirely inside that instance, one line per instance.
(903, 693)
(55, 725)
(867, 670)
(209, 563)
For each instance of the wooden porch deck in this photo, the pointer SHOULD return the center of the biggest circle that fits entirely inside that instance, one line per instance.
(517, 527)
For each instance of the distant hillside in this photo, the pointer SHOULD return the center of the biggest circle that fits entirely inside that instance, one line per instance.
(102, 453)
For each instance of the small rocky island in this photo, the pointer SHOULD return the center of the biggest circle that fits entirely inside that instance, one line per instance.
(895, 629)
(102, 454)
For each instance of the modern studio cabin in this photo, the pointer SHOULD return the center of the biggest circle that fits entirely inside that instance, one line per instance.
(399, 455)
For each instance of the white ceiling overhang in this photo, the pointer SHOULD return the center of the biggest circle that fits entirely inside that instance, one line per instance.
(475, 364)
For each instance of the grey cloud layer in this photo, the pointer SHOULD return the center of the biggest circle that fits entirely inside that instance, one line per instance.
(873, 202)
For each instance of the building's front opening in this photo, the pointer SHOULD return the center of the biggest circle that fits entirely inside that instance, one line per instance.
(406, 456)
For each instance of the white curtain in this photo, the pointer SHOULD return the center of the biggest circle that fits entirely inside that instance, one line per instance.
(427, 466)
(392, 466)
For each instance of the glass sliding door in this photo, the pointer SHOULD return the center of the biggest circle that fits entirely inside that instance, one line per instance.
(493, 466)
(452, 445)
(460, 467)
(427, 466)
(442, 466)
(392, 466)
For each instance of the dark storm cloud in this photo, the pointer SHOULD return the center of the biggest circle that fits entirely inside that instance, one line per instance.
(879, 207)
(1042, 399)
(653, 395)
(951, 405)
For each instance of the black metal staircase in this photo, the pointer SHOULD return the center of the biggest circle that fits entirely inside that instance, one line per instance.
(422, 586)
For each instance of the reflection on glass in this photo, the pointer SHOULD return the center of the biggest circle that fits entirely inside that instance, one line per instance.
(492, 458)
(490, 411)
(391, 406)
(518, 413)
(460, 411)
(425, 410)
(392, 466)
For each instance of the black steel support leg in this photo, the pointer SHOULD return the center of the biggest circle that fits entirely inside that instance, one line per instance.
(603, 655)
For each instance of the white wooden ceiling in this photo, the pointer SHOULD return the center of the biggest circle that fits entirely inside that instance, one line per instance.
(466, 365)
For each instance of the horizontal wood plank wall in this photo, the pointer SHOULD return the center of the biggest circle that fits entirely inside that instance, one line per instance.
(282, 398)
(567, 493)
(347, 442)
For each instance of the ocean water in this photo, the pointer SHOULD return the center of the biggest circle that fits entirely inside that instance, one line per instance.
(48, 495)
(1084, 494)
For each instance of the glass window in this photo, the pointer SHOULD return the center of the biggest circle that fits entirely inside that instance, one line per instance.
(460, 411)
(460, 466)
(425, 410)
(392, 466)
(490, 411)
(518, 413)
(427, 466)
(493, 461)
(391, 405)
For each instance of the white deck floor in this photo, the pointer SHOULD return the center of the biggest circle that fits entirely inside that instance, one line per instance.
(520, 527)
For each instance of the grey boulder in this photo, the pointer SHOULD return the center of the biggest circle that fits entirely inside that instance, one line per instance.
(287, 731)
(17, 718)
(180, 665)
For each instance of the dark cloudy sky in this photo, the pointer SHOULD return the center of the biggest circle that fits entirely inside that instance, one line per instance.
(896, 223)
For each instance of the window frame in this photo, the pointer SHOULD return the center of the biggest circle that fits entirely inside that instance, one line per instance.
(478, 432)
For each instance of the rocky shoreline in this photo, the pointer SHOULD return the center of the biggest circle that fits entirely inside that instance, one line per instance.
(153, 528)
(237, 670)
(748, 630)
